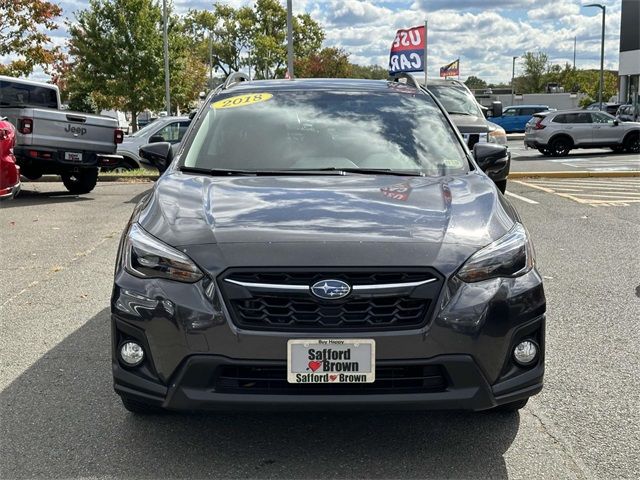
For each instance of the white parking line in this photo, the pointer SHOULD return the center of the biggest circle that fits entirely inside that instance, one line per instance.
(520, 197)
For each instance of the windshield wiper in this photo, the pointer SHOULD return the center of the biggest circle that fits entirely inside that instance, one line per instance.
(228, 172)
(460, 113)
(370, 171)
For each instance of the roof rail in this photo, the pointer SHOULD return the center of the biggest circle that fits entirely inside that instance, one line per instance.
(410, 80)
(235, 77)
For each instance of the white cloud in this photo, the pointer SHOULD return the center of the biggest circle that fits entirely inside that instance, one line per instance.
(484, 34)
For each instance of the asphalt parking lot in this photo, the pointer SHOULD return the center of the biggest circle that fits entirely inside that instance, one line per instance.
(59, 417)
(594, 160)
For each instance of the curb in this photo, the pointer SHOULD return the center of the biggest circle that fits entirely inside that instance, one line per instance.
(131, 179)
(574, 174)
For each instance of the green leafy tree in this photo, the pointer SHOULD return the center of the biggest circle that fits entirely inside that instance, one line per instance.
(23, 24)
(116, 47)
(327, 63)
(268, 40)
(536, 65)
(221, 37)
(187, 71)
(372, 72)
(474, 82)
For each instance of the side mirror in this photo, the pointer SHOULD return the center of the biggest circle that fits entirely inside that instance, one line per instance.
(192, 114)
(157, 154)
(496, 109)
(156, 139)
(494, 160)
(616, 122)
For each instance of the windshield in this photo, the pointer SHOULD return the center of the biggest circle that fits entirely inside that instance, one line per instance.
(144, 130)
(456, 100)
(310, 130)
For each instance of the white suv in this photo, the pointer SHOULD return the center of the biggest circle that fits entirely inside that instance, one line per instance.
(557, 133)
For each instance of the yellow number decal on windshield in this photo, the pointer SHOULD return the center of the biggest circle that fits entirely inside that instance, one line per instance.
(242, 100)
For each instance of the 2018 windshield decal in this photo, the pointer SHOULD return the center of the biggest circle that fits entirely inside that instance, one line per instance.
(242, 100)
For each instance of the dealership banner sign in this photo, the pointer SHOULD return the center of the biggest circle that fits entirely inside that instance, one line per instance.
(408, 50)
(451, 70)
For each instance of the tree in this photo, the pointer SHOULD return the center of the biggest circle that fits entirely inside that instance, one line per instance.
(328, 63)
(187, 71)
(221, 37)
(116, 47)
(373, 72)
(474, 82)
(23, 24)
(535, 66)
(268, 40)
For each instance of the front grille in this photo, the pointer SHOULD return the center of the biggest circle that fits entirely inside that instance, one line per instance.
(256, 309)
(272, 380)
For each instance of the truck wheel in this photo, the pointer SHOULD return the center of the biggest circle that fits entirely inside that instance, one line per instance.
(502, 185)
(80, 182)
(30, 174)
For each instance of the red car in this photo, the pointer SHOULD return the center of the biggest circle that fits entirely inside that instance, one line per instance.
(9, 171)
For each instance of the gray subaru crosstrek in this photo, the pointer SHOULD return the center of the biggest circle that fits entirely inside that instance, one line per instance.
(318, 244)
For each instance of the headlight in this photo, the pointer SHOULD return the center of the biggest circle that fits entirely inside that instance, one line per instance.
(147, 257)
(509, 256)
(498, 136)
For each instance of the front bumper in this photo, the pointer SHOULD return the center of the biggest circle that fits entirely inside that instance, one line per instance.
(470, 338)
(193, 388)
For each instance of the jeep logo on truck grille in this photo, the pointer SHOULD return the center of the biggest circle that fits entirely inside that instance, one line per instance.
(75, 130)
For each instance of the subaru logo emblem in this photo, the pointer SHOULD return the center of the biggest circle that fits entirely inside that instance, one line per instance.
(330, 289)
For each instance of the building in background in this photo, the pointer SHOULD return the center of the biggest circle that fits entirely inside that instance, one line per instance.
(629, 69)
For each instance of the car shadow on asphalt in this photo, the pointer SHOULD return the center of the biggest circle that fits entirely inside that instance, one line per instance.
(61, 418)
(28, 198)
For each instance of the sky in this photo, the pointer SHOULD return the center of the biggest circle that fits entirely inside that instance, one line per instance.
(484, 34)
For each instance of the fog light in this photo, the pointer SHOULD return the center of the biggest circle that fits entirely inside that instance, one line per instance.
(131, 354)
(525, 353)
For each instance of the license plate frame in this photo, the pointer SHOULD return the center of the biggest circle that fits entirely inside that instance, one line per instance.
(73, 157)
(325, 365)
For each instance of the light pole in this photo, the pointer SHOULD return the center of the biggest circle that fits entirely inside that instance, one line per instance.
(165, 40)
(604, 14)
(513, 77)
(290, 38)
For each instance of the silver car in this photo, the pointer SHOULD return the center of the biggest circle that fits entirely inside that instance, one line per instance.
(164, 129)
(557, 133)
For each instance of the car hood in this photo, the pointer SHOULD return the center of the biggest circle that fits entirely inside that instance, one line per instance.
(186, 209)
(470, 123)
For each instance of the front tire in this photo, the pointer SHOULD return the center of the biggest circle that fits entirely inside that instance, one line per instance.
(632, 143)
(502, 185)
(560, 147)
(80, 182)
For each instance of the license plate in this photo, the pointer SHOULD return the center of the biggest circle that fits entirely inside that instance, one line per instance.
(73, 156)
(331, 361)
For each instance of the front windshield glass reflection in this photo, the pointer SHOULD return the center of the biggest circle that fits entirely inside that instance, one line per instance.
(296, 130)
